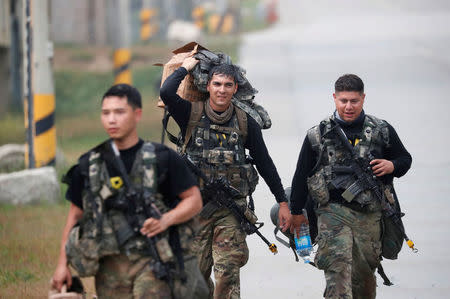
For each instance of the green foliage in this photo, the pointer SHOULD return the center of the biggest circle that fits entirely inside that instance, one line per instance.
(12, 129)
(147, 80)
(79, 92)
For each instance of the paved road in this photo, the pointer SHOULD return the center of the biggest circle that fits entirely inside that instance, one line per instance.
(401, 50)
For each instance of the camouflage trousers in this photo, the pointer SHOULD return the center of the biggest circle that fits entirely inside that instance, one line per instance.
(349, 251)
(119, 277)
(221, 243)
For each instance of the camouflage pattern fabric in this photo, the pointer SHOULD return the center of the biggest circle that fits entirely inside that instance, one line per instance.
(349, 251)
(221, 243)
(118, 277)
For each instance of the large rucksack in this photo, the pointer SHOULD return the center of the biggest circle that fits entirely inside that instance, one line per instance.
(242, 99)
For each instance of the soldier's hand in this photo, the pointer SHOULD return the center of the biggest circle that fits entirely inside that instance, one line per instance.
(297, 221)
(382, 167)
(189, 63)
(62, 275)
(153, 226)
(284, 216)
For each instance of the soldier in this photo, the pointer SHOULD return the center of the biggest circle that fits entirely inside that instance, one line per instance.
(216, 143)
(349, 236)
(110, 241)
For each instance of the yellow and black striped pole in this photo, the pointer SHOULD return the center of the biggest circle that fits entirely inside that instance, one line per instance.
(39, 90)
(122, 72)
(120, 31)
(149, 25)
(223, 24)
(198, 15)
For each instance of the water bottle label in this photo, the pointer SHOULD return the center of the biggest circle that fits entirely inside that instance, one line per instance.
(303, 242)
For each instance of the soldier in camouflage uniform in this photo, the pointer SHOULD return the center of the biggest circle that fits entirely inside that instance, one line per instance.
(349, 232)
(99, 240)
(215, 134)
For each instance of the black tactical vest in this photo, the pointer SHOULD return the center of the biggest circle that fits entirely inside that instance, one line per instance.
(218, 150)
(374, 138)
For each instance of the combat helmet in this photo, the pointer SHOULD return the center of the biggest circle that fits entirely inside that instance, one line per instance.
(274, 217)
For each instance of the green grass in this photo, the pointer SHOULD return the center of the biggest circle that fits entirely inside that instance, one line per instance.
(79, 92)
(30, 242)
(12, 129)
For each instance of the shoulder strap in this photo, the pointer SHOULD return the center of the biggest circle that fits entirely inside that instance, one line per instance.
(149, 161)
(196, 114)
(314, 138)
(242, 121)
(250, 111)
(383, 127)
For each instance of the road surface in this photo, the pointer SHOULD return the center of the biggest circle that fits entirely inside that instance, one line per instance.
(401, 51)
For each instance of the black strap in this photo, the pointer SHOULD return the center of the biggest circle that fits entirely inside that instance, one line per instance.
(251, 203)
(383, 275)
(164, 124)
(175, 244)
(165, 121)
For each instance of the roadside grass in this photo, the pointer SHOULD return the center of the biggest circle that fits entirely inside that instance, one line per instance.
(12, 128)
(30, 237)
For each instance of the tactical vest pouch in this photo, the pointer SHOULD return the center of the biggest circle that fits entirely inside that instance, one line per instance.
(251, 176)
(82, 253)
(318, 189)
(367, 200)
(85, 246)
(219, 156)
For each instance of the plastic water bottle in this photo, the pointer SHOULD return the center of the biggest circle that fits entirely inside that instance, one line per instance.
(303, 242)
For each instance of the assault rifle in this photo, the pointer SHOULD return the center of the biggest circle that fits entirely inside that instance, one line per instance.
(366, 180)
(138, 209)
(222, 193)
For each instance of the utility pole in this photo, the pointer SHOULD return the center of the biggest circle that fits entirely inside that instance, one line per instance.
(120, 34)
(16, 54)
(5, 51)
(149, 19)
(39, 103)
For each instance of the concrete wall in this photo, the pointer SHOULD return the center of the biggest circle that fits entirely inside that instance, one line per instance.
(4, 23)
(81, 21)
